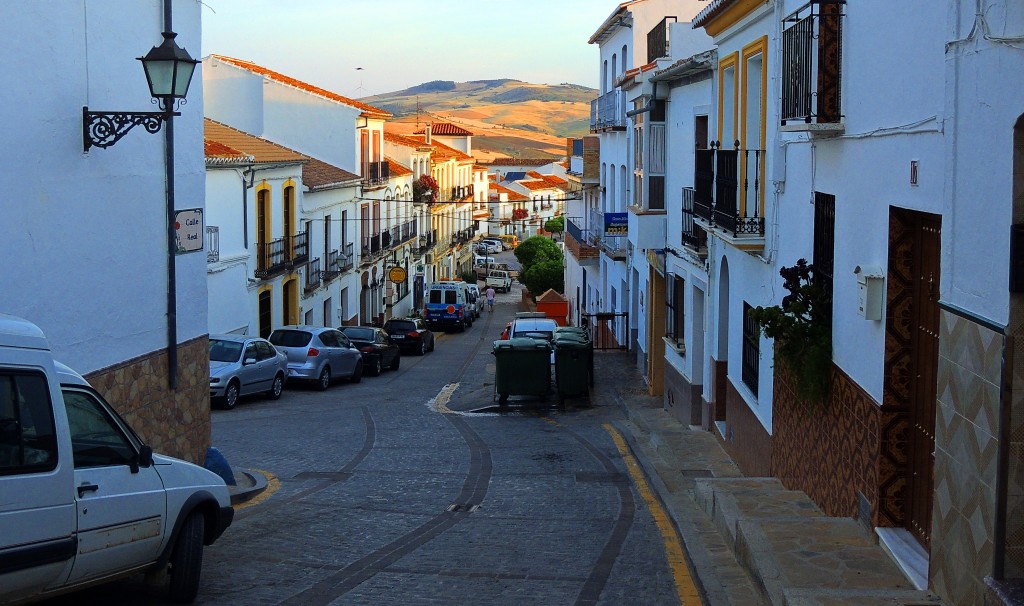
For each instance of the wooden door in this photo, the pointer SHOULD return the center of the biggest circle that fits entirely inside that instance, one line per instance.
(925, 232)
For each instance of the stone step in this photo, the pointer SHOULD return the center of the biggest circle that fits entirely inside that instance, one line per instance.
(796, 555)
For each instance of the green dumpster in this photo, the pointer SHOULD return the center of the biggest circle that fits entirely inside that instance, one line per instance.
(522, 367)
(574, 363)
(579, 331)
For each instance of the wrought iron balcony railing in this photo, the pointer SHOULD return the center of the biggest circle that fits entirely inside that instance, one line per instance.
(371, 249)
(578, 241)
(608, 112)
(612, 245)
(657, 41)
(376, 173)
(212, 244)
(333, 268)
(693, 237)
(426, 242)
(727, 189)
(298, 245)
(812, 60)
(347, 259)
(313, 275)
(270, 258)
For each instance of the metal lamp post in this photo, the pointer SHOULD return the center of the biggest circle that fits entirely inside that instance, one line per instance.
(169, 69)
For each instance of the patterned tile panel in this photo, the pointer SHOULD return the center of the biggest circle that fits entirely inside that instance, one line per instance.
(173, 423)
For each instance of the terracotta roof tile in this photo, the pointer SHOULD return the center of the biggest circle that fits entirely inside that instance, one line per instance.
(535, 185)
(534, 174)
(397, 169)
(513, 196)
(403, 140)
(316, 174)
(299, 84)
(444, 152)
(445, 129)
(260, 149)
(218, 151)
(518, 162)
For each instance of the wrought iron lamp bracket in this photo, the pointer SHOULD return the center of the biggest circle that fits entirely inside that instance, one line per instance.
(104, 129)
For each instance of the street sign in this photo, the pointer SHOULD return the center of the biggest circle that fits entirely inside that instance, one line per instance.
(397, 274)
(188, 231)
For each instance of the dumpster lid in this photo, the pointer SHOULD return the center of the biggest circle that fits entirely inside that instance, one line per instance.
(571, 342)
(521, 343)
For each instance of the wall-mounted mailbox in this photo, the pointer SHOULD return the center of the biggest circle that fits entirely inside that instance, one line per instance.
(870, 280)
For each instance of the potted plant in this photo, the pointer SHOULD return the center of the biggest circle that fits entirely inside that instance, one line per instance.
(425, 189)
(802, 329)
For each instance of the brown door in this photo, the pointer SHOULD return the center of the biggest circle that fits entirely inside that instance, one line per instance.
(925, 232)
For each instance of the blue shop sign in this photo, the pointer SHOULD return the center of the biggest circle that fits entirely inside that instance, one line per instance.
(616, 224)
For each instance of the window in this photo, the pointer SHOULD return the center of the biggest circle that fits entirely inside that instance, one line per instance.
(751, 350)
(97, 439)
(824, 241)
(28, 440)
(674, 302)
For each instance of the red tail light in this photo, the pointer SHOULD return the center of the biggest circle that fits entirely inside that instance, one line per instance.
(413, 335)
(313, 352)
(367, 349)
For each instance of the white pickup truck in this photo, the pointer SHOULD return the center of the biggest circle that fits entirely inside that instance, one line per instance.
(499, 280)
(82, 499)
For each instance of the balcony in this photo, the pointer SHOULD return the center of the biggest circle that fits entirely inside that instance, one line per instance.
(657, 41)
(376, 173)
(278, 256)
(462, 236)
(694, 238)
(312, 275)
(371, 250)
(608, 112)
(647, 227)
(812, 82)
(426, 243)
(577, 242)
(611, 239)
(728, 195)
(333, 269)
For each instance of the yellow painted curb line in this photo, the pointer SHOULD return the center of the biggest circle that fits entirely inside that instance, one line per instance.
(273, 484)
(686, 589)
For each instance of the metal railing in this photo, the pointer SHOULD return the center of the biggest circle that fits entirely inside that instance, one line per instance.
(657, 40)
(212, 244)
(727, 189)
(376, 173)
(613, 246)
(270, 258)
(426, 242)
(333, 268)
(812, 54)
(313, 275)
(299, 247)
(693, 237)
(608, 111)
(348, 257)
(577, 241)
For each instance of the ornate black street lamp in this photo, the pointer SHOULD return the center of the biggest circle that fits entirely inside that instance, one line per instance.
(169, 70)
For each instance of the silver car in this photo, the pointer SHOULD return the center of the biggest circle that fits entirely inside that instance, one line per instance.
(241, 365)
(319, 354)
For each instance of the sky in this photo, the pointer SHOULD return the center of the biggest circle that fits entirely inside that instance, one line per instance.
(402, 43)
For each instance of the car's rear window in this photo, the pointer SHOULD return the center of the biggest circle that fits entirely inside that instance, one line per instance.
(290, 338)
(224, 351)
(401, 326)
(362, 334)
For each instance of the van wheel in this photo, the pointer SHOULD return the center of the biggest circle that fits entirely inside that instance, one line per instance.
(187, 560)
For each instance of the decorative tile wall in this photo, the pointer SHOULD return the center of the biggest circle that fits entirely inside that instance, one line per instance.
(838, 449)
(966, 446)
(174, 423)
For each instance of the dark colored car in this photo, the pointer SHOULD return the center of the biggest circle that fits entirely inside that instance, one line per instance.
(410, 334)
(379, 352)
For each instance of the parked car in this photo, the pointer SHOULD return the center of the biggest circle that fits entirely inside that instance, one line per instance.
(533, 325)
(241, 365)
(499, 280)
(510, 241)
(410, 334)
(493, 246)
(477, 300)
(85, 500)
(379, 352)
(319, 354)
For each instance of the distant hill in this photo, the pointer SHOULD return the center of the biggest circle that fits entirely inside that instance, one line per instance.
(508, 117)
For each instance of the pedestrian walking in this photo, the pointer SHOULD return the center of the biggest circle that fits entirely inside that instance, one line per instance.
(490, 298)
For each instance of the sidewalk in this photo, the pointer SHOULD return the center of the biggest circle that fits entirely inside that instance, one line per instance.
(748, 540)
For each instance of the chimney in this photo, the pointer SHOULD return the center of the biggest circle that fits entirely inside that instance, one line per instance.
(427, 131)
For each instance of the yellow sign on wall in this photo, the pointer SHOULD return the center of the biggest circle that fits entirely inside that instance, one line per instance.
(397, 274)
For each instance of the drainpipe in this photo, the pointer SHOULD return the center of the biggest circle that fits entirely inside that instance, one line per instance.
(649, 105)
(251, 173)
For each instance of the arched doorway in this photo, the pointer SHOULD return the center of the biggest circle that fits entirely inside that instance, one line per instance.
(720, 364)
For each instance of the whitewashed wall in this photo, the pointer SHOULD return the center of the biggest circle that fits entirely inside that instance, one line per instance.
(84, 235)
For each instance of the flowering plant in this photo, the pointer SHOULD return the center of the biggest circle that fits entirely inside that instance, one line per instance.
(425, 189)
(519, 213)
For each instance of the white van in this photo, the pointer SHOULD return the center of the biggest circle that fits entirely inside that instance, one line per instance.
(447, 306)
(84, 500)
(476, 299)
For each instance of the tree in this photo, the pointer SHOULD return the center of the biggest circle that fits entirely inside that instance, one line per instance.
(545, 274)
(536, 249)
(556, 225)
